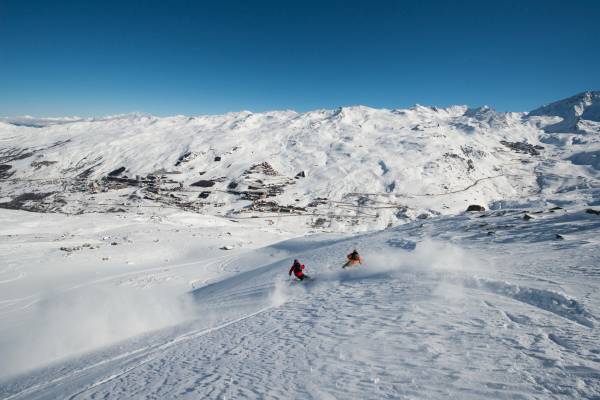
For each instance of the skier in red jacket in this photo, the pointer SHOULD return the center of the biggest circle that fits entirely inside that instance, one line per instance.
(297, 270)
(353, 259)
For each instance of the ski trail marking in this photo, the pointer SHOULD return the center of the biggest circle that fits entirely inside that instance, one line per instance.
(182, 338)
(149, 350)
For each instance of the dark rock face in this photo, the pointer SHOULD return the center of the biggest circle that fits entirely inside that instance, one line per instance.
(183, 158)
(28, 201)
(592, 211)
(300, 174)
(116, 210)
(4, 174)
(217, 158)
(203, 183)
(527, 217)
(476, 208)
(319, 222)
(14, 153)
(39, 164)
(204, 195)
(117, 172)
(232, 185)
(470, 165)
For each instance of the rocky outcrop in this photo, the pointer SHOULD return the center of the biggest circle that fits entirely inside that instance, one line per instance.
(5, 172)
(117, 171)
(204, 183)
(31, 201)
(39, 164)
(475, 208)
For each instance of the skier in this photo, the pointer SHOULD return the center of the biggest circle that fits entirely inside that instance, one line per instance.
(297, 268)
(353, 259)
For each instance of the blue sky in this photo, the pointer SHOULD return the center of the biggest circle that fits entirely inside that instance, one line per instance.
(192, 57)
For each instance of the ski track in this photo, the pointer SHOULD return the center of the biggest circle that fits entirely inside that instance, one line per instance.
(125, 363)
(392, 348)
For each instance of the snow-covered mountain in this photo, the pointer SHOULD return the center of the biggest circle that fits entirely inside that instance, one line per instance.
(349, 168)
(576, 112)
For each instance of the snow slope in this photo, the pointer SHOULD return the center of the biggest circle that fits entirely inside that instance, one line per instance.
(440, 309)
(167, 278)
(573, 111)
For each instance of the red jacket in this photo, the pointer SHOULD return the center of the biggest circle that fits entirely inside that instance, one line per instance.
(297, 269)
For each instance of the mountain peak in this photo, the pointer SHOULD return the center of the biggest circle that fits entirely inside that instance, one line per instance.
(571, 106)
(478, 111)
(582, 106)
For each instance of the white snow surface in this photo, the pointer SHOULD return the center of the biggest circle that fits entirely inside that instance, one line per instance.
(167, 297)
(439, 309)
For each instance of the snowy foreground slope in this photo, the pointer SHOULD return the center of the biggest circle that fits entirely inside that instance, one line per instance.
(155, 263)
(471, 306)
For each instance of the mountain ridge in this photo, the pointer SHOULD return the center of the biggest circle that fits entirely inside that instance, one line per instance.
(353, 167)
